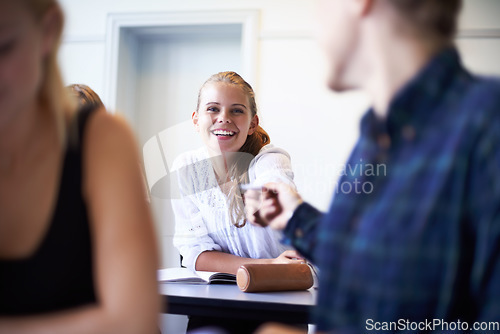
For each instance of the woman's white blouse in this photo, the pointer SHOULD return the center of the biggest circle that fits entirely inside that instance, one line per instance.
(202, 214)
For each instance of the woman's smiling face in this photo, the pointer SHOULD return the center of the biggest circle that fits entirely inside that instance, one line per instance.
(224, 119)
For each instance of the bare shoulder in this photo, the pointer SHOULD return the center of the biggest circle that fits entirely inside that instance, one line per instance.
(109, 129)
(111, 156)
(109, 141)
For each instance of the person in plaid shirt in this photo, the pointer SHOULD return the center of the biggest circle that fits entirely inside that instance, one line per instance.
(411, 242)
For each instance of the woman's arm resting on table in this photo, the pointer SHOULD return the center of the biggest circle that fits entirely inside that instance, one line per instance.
(229, 263)
(124, 245)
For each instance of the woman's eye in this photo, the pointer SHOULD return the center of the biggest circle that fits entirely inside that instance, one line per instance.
(212, 109)
(238, 111)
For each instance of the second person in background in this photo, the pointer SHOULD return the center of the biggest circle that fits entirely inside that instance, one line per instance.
(211, 232)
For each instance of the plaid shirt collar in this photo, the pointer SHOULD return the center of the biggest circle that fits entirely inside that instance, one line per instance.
(424, 92)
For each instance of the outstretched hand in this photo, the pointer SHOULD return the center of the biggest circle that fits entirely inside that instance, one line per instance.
(273, 206)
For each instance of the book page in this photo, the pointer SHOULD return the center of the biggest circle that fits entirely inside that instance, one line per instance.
(205, 275)
(185, 275)
(180, 275)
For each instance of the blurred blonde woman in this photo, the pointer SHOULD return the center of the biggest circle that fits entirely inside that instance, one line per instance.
(77, 247)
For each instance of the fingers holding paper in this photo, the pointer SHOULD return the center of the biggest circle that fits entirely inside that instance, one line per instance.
(273, 205)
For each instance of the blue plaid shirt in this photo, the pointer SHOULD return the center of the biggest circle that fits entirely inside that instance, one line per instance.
(412, 236)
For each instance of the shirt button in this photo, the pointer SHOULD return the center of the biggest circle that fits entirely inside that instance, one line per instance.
(408, 133)
(299, 233)
(384, 141)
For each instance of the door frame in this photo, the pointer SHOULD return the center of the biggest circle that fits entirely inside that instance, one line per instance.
(122, 26)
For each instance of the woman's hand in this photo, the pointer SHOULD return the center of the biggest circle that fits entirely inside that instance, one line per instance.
(273, 206)
(289, 256)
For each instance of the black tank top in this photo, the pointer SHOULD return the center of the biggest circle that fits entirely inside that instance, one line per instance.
(59, 274)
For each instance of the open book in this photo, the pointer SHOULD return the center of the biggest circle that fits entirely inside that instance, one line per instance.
(185, 275)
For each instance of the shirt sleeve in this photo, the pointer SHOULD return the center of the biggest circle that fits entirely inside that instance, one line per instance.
(301, 230)
(484, 205)
(191, 235)
(272, 164)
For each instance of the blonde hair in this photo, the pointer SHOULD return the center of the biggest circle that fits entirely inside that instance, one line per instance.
(238, 172)
(53, 96)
